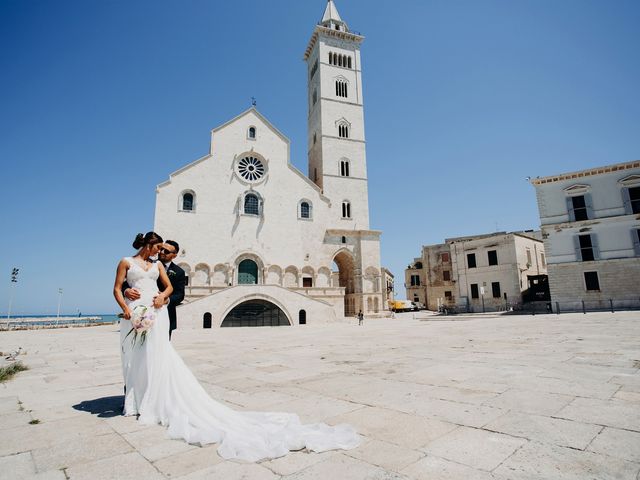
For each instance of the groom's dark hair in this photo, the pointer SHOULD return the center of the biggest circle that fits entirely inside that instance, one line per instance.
(174, 244)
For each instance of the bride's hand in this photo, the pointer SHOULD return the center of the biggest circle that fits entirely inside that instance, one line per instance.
(158, 301)
(126, 313)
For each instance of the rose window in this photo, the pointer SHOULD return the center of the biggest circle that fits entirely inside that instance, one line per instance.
(251, 168)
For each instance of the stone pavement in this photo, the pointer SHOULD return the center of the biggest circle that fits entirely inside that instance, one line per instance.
(512, 397)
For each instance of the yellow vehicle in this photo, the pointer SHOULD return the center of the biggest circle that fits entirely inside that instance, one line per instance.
(400, 305)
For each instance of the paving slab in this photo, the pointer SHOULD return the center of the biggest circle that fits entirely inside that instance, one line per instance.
(565, 433)
(189, 461)
(617, 443)
(474, 447)
(345, 468)
(295, 462)
(385, 455)
(409, 431)
(530, 401)
(130, 466)
(70, 452)
(536, 461)
(436, 468)
(30, 437)
(15, 419)
(612, 413)
(17, 466)
(232, 471)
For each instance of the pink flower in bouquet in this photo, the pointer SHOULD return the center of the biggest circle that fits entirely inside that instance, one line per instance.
(142, 320)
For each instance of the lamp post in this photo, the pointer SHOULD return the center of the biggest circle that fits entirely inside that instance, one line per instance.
(14, 280)
(59, 300)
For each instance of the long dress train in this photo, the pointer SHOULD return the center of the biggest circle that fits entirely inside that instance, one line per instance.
(160, 388)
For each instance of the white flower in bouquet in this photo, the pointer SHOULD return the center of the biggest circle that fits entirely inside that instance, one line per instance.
(142, 320)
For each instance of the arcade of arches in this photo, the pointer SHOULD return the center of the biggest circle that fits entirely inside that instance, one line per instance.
(360, 290)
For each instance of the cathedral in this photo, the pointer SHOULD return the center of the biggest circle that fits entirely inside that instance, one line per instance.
(262, 243)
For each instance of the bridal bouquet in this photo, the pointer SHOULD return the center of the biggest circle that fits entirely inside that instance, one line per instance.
(142, 319)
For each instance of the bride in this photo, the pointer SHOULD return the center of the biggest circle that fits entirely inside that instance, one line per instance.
(160, 388)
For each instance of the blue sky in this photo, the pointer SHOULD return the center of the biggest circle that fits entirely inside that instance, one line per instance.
(100, 101)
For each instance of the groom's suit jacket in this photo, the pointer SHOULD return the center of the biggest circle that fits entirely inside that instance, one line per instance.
(178, 281)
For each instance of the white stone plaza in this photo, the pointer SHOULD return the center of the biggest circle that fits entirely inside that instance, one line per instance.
(474, 397)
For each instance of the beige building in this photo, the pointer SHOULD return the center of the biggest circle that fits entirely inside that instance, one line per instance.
(479, 273)
(590, 221)
(388, 291)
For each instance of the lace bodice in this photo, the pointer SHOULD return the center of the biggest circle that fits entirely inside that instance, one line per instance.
(145, 281)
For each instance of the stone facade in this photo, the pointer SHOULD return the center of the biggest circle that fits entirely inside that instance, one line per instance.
(245, 216)
(476, 273)
(591, 222)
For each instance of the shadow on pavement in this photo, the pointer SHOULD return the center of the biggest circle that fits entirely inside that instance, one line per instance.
(104, 407)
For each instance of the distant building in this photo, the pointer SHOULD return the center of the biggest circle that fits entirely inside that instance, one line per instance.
(590, 222)
(388, 291)
(480, 273)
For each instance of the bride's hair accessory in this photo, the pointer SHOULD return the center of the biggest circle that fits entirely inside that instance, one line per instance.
(151, 238)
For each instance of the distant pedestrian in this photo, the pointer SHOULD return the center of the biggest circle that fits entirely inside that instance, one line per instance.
(360, 317)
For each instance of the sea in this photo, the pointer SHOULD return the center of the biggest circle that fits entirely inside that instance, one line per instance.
(28, 320)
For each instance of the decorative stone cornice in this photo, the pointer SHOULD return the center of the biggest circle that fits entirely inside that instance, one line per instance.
(353, 233)
(586, 173)
(320, 30)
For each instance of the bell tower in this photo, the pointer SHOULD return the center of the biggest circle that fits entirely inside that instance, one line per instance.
(336, 140)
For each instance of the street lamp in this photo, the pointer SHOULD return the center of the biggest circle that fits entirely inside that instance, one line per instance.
(59, 300)
(14, 280)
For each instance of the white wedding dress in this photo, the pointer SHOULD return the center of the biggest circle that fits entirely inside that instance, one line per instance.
(160, 388)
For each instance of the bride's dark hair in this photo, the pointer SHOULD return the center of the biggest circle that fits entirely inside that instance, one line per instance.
(151, 238)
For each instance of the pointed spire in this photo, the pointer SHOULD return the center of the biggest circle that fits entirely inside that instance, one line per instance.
(331, 12)
(331, 18)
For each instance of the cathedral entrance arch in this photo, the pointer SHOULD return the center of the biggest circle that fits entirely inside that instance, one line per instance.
(255, 313)
(346, 278)
(247, 272)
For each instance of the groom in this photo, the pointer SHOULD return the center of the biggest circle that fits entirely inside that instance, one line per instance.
(176, 276)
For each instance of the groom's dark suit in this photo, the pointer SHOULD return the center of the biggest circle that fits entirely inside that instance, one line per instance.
(178, 280)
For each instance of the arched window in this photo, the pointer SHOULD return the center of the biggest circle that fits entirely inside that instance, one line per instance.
(251, 204)
(330, 58)
(305, 210)
(339, 60)
(335, 59)
(302, 317)
(251, 134)
(341, 88)
(188, 202)
(343, 130)
(344, 168)
(346, 209)
(206, 320)
(247, 272)
(344, 239)
(349, 62)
